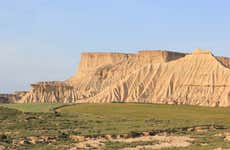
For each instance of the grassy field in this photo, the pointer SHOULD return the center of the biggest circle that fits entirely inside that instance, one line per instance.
(146, 115)
(100, 119)
(33, 107)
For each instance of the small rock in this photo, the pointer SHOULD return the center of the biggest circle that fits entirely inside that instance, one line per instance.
(108, 137)
(118, 136)
(163, 134)
(204, 144)
(227, 138)
(22, 142)
(47, 139)
(2, 147)
(226, 135)
(33, 140)
(219, 134)
(145, 133)
(77, 138)
(190, 129)
(200, 129)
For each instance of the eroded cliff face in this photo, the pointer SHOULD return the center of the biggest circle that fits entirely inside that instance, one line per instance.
(197, 79)
(91, 61)
(157, 56)
(148, 76)
(50, 92)
(95, 79)
(113, 65)
(96, 71)
(3, 99)
(225, 61)
(7, 98)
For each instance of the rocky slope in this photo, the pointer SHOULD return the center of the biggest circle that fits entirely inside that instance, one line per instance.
(148, 76)
(50, 92)
(93, 80)
(196, 79)
(96, 71)
(7, 98)
(225, 61)
(4, 98)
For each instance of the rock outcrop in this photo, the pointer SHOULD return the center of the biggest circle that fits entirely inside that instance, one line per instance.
(93, 80)
(196, 79)
(96, 71)
(91, 61)
(50, 92)
(148, 76)
(5, 98)
(8, 98)
(225, 61)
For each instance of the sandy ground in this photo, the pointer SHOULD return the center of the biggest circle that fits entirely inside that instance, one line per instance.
(162, 142)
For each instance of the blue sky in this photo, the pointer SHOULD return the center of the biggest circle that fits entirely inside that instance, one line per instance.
(42, 39)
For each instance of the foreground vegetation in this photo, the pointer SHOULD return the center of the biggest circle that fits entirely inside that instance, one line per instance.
(101, 119)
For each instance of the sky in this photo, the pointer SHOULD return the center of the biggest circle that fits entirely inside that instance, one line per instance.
(41, 40)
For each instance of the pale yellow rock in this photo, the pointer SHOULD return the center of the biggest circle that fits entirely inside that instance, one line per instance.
(196, 79)
(2, 147)
(77, 138)
(149, 76)
(96, 71)
(94, 78)
(50, 92)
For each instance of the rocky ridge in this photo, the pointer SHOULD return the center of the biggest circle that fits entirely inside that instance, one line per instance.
(148, 76)
(196, 79)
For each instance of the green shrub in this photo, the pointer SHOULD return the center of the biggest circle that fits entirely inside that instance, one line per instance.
(5, 138)
(63, 135)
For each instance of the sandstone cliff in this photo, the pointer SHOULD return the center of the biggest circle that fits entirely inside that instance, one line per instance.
(196, 79)
(225, 61)
(9, 98)
(92, 80)
(5, 98)
(50, 92)
(96, 71)
(91, 61)
(148, 76)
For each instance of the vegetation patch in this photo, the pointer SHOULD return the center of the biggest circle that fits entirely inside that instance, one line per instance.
(99, 120)
(33, 107)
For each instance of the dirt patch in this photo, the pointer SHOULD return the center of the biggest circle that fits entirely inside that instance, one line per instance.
(2, 147)
(225, 135)
(89, 144)
(162, 142)
(34, 140)
(158, 138)
(222, 148)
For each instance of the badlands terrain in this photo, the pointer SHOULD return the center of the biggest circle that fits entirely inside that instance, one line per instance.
(161, 77)
(121, 102)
